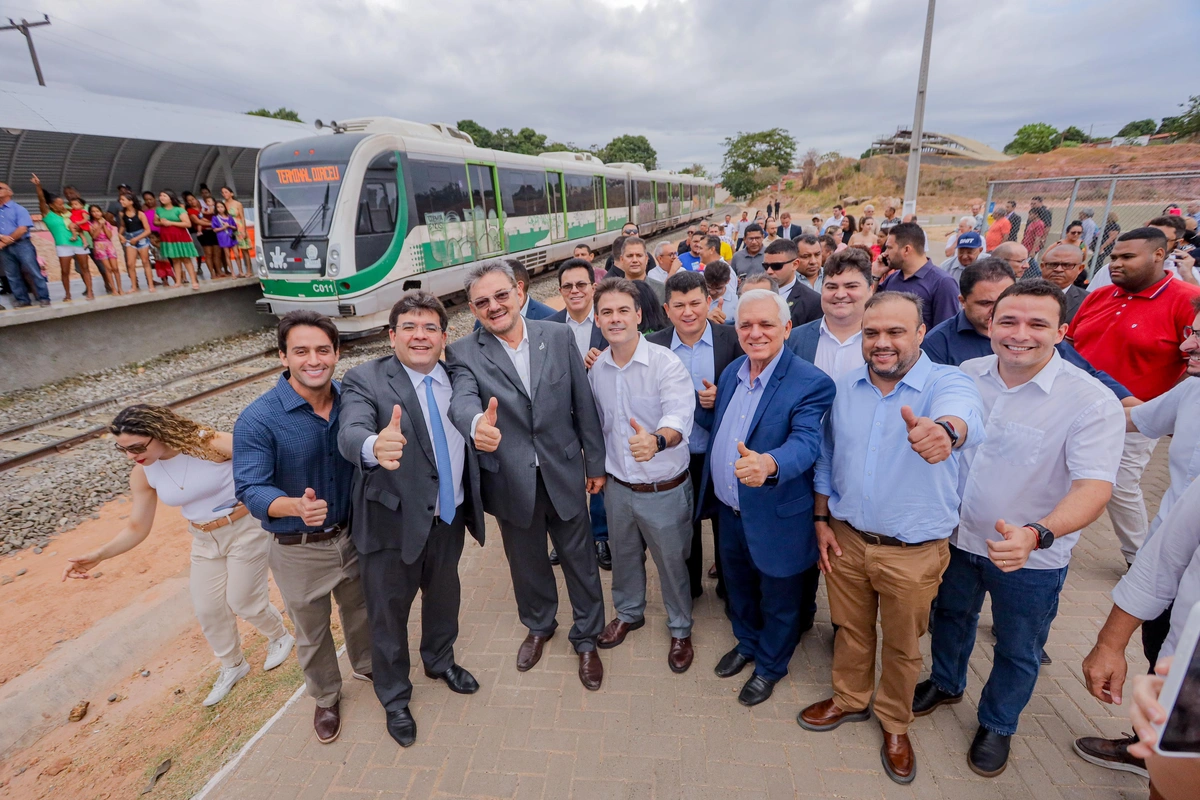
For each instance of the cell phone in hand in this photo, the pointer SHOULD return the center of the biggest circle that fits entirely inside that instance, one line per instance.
(1180, 696)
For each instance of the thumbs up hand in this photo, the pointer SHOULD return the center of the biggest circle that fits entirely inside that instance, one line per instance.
(310, 509)
(708, 395)
(487, 435)
(643, 444)
(389, 445)
(1010, 553)
(753, 469)
(716, 314)
(928, 439)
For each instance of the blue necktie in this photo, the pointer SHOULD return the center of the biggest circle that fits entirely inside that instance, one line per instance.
(442, 450)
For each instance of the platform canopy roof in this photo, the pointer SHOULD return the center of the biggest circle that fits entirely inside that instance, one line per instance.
(95, 142)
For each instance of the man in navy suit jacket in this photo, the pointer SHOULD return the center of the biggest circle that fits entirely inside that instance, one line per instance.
(766, 436)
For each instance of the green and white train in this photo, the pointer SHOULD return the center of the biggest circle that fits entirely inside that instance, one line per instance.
(348, 222)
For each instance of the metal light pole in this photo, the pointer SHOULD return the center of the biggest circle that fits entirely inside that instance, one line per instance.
(914, 148)
(23, 26)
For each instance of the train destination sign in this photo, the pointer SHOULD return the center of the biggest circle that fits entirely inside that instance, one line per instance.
(315, 174)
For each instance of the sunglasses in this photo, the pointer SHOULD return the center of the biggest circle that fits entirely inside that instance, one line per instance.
(775, 267)
(501, 297)
(139, 449)
(578, 286)
(1058, 265)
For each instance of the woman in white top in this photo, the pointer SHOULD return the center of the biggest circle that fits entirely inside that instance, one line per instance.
(185, 465)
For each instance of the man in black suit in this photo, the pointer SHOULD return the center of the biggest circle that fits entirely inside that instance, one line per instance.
(780, 261)
(577, 285)
(788, 229)
(411, 503)
(705, 350)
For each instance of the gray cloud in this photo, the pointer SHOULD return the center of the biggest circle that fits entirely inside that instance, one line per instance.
(686, 74)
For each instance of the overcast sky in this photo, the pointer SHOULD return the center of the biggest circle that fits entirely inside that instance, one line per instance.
(686, 73)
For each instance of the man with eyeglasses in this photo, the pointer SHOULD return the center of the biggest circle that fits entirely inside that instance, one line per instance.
(1165, 574)
(1061, 266)
(416, 493)
(749, 259)
(1017, 256)
(521, 397)
(781, 260)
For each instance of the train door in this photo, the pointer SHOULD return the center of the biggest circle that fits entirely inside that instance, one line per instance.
(600, 204)
(556, 191)
(486, 225)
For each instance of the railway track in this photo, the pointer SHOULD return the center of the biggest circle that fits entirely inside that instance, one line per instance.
(37, 439)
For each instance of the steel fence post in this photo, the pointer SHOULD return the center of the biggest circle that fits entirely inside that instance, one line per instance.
(1112, 189)
(1070, 208)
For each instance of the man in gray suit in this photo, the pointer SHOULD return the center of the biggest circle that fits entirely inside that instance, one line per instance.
(521, 396)
(411, 503)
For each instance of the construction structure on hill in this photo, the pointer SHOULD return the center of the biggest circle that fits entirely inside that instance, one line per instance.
(939, 148)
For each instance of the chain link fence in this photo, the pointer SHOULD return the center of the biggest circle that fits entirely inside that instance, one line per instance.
(1113, 203)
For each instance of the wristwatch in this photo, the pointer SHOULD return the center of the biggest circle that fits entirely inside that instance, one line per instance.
(1045, 536)
(948, 428)
(662, 442)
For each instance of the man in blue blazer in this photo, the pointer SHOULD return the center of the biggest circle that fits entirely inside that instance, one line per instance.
(833, 342)
(766, 436)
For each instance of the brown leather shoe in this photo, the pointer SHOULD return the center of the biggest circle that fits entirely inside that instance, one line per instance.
(615, 632)
(591, 671)
(327, 722)
(679, 658)
(899, 761)
(530, 651)
(825, 716)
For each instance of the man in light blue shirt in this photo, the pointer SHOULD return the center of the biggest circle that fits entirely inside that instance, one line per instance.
(18, 258)
(886, 503)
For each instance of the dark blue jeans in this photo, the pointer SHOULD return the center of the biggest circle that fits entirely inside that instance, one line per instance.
(20, 263)
(1024, 604)
(599, 517)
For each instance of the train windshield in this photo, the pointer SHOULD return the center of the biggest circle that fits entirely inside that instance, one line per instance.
(298, 200)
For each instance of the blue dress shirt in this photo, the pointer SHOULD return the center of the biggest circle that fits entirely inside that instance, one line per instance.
(13, 216)
(956, 340)
(689, 261)
(867, 467)
(280, 448)
(732, 430)
(699, 361)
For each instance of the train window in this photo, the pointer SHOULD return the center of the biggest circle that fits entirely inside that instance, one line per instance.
(662, 193)
(522, 194)
(580, 196)
(615, 189)
(643, 192)
(674, 191)
(376, 207)
(440, 189)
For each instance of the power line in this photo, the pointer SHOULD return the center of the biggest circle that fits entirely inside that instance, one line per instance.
(23, 26)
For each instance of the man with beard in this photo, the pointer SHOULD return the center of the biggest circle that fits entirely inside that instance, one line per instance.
(521, 397)
(749, 259)
(886, 503)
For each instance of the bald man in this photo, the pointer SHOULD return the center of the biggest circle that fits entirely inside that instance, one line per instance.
(1018, 258)
(1061, 266)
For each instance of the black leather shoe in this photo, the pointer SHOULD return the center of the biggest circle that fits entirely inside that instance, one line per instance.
(988, 755)
(457, 678)
(603, 556)
(928, 696)
(1046, 658)
(731, 664)
(554, 561)
(756, 690)
(402, 727)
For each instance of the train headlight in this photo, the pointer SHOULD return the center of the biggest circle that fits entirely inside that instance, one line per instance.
(333, 263)
(262, 269)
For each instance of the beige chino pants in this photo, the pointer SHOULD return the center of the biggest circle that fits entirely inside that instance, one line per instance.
(229, 580)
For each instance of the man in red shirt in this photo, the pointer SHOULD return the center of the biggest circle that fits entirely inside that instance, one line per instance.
(1132, 330)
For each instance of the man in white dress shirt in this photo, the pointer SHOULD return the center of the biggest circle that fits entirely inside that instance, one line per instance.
(646, 403)
(1044, 472)
(833, 343)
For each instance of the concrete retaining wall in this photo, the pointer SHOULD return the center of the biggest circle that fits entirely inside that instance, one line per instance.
(38, 346)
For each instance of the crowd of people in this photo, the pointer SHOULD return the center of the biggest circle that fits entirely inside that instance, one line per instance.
(915, 437)
(167, 237)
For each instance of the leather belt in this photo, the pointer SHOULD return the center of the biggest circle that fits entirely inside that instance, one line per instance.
(886, 541)
(660, 486)
(309, 538)
(237, 513)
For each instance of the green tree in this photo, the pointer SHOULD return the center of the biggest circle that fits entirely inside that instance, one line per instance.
(1036, 137)
(695, 169)
(740, 184)
(526, 141)
(1140, 127)
(279, 113)
(1187, 124)
(748, 153)
(1074, 134)
(634, 149)
(481, 135)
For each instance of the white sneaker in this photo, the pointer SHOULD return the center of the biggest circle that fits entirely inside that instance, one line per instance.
(226, 678)
(278, 651)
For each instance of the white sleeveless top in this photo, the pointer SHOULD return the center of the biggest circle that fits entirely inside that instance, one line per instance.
(207, 487)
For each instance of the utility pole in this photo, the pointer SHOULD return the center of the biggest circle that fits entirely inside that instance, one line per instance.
(23, 26)
(914, 147)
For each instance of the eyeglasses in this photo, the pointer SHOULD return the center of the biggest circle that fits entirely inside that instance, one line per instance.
(501, 297)
(578, 286)
(137, 449)
(1058, 265)
(776, 266)
(431, 328)
(1189, 332)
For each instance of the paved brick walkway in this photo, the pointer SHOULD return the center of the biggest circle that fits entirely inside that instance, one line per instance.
(651, 734)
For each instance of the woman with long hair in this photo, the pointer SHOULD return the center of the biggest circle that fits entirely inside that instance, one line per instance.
(177, 247)
(183, 464)
(238, 212)
(69, 242)
(848, 228)
(225, 228)
(865, 236)
(1074, 238)
(104, 248)
(135, 233)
